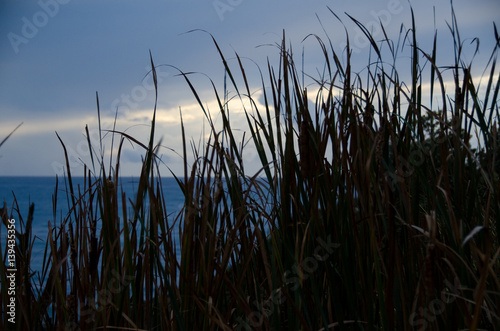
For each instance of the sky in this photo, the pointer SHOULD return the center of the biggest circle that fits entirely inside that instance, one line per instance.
(55, 55)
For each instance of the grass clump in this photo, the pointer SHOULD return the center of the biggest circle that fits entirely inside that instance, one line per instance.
(372, 209)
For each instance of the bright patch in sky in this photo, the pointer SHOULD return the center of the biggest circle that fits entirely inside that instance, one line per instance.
(55, 55)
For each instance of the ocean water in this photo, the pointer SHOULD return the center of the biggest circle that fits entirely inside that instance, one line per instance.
(40, 191)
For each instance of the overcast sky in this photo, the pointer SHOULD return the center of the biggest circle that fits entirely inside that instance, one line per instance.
(55, 55)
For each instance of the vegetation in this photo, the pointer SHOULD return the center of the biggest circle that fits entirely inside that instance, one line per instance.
(373, 209)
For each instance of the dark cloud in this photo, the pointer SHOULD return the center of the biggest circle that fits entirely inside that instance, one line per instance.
(55, 54)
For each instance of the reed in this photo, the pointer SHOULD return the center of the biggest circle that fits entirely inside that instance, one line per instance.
(373, 209)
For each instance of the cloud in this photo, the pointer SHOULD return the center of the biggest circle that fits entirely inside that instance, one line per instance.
(51, 83)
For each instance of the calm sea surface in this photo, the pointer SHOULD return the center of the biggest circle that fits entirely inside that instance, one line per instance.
(40, 191)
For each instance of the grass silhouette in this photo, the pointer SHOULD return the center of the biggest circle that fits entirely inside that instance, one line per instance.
(371, 210)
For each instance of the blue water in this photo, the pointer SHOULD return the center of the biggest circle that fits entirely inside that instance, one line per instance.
(40, 191)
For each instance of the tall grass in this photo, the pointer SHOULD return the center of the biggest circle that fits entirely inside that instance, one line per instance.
(373, 209)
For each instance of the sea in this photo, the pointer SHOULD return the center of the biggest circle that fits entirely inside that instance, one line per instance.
(41, 191)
